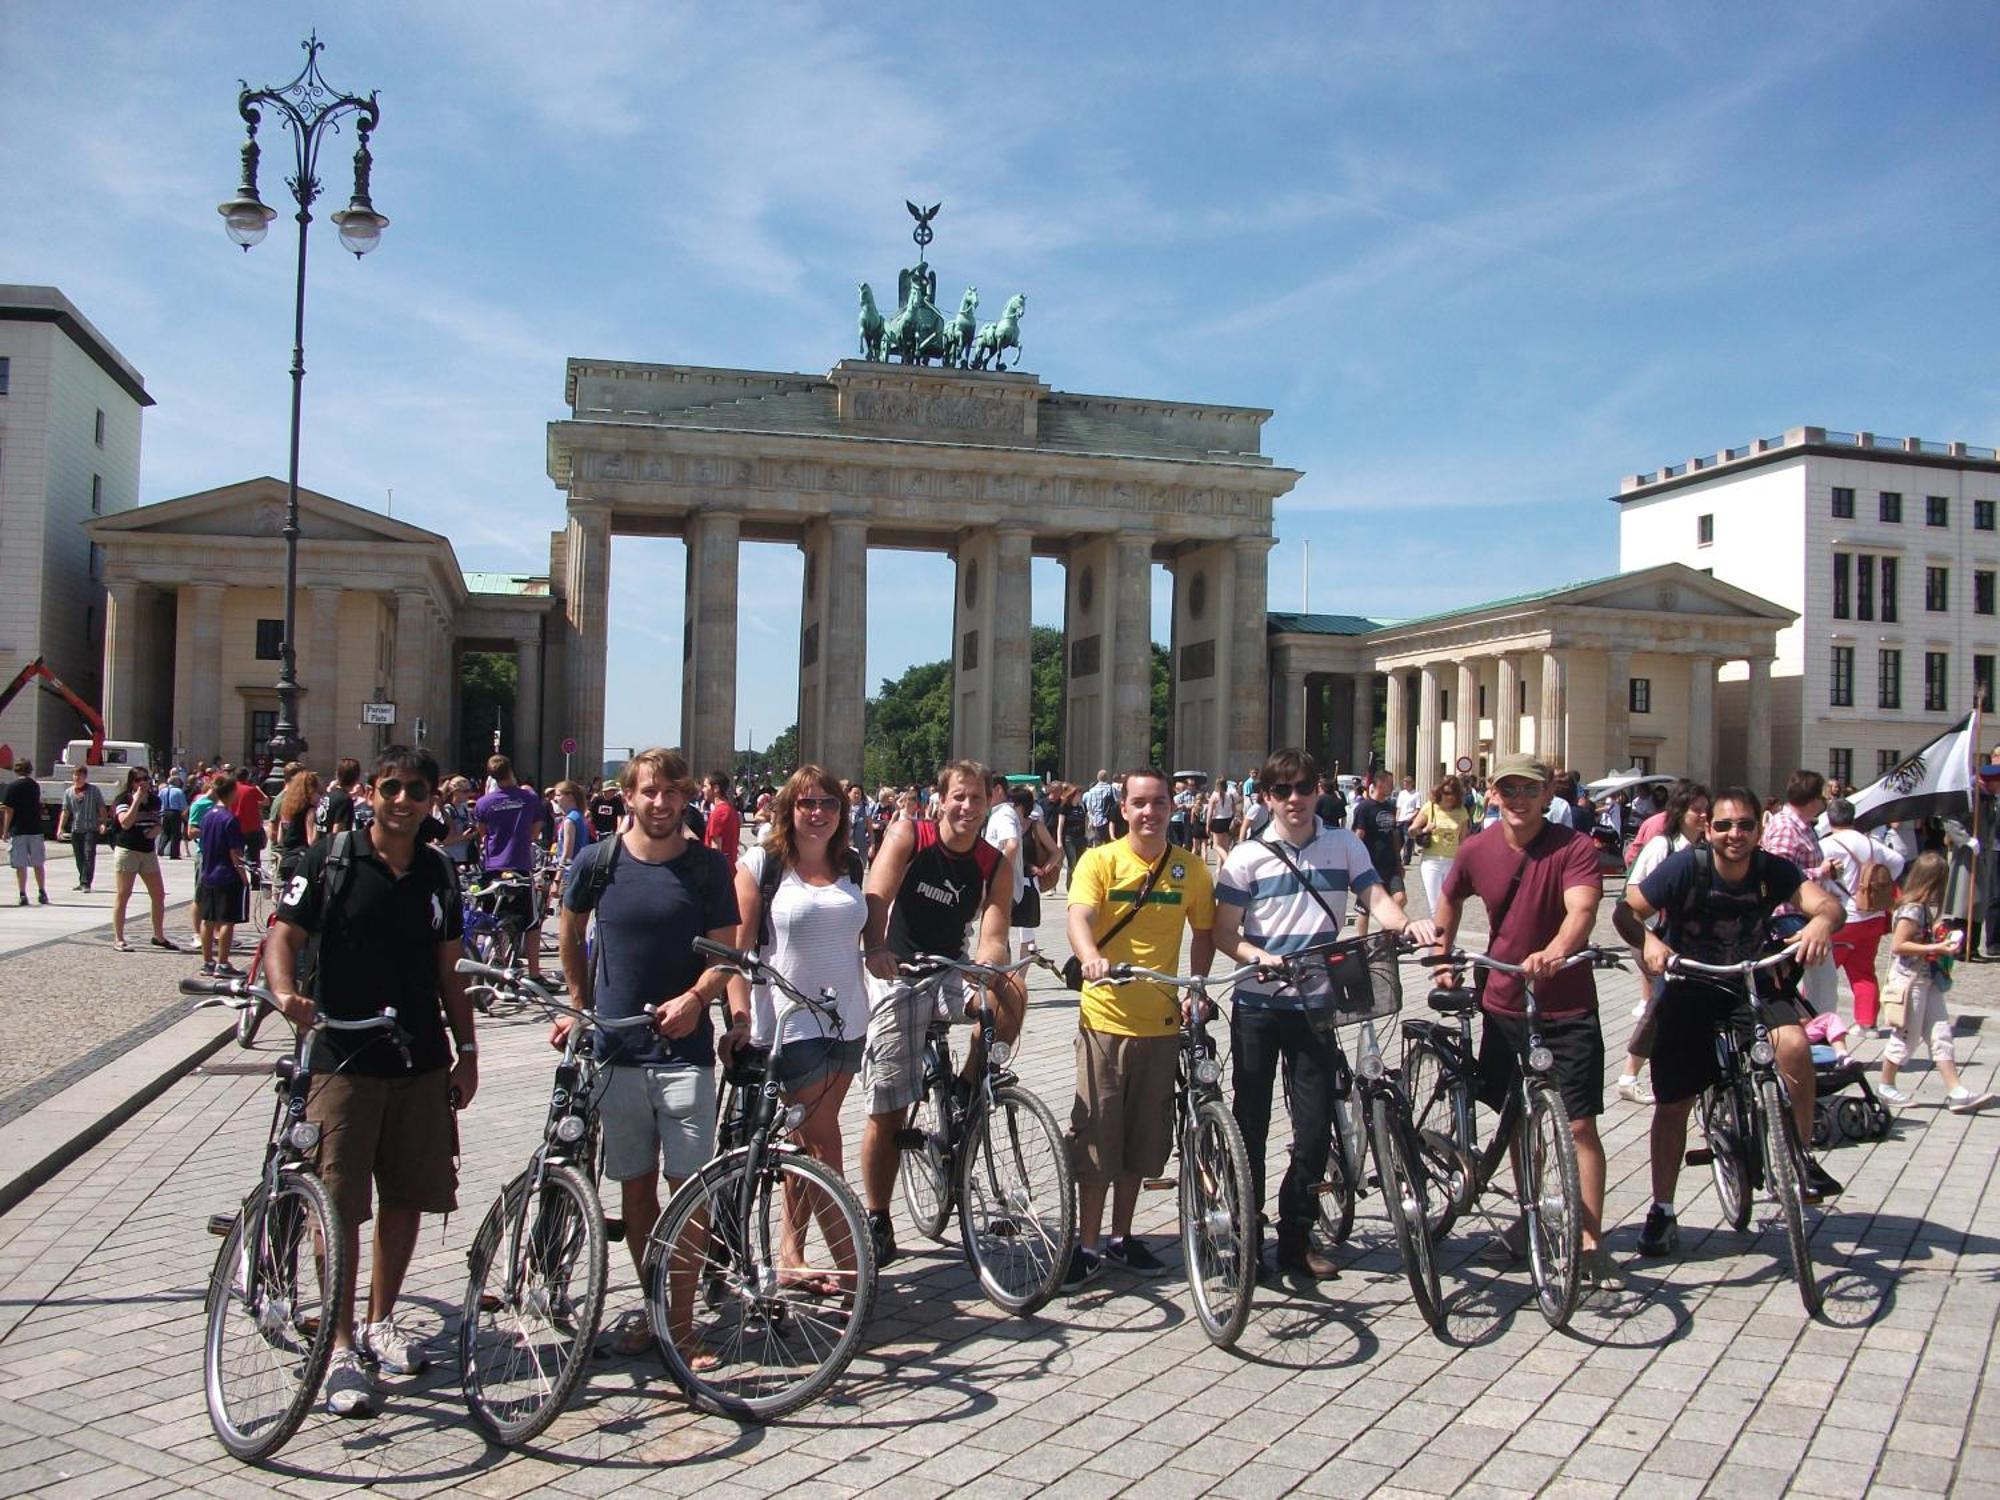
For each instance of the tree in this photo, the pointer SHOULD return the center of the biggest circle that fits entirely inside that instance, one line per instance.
(1162, 696)
(908, 731)
(1045, 678)
(488, 683)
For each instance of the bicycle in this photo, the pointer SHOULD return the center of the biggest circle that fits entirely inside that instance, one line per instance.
(745, 1333)
(1218, 1200)
(1746, 1119)
(269, 1315)
(525, 1326)
(493, 940)
(992, 1152)
(1442, 1068)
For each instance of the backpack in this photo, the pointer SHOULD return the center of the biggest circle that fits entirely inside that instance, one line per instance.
(1875, 890)
(597, 864)
(339, 871)
(1697, 893)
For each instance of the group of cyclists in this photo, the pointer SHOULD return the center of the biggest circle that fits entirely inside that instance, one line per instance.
(371, 911)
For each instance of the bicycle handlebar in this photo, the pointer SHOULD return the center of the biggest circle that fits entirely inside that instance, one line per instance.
(1678, 962)
(757, 971)
(528, 990)
(1598, 958)
(240, 994)
(1133, 973)
(930, 965)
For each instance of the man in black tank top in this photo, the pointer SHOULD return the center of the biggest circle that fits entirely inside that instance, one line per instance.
(928, 883)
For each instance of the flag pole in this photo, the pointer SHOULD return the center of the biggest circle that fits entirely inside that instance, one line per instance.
(1973, 742)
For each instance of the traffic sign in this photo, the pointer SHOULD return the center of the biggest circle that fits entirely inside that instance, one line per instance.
(1465, 765)
(378, 713)
(569, 744)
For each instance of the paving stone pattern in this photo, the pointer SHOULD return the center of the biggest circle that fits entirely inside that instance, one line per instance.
(1708, 1379)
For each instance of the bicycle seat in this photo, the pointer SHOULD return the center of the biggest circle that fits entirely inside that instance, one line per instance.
(1453, 1002)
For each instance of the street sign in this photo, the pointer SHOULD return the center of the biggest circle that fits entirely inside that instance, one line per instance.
(378, 713)
(1464, 765)
(569, 744)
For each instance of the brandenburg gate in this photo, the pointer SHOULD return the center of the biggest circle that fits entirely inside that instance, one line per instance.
(989, 465)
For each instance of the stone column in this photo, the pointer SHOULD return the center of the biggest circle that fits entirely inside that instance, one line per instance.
(1757, 735)
(1132, 652)
(1426, 767)
(1551, 737)
(121, 659)
(528, 708)
(1617, 710)
(1507, 712)
(1249, 730)
(708, 645)
(833, 644)
(1364, 722)
(1701, 720)
(319, 677)
(1465, 715)
(1011, 743)
(976, 563)
(587, 552)
(1397, 730)
(406, 679)
(198, 669)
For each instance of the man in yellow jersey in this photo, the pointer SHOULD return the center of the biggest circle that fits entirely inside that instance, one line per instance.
(1130, 901)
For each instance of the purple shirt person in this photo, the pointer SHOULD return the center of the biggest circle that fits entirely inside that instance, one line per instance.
(509, 816)
(220, 834)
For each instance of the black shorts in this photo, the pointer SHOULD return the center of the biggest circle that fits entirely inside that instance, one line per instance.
(1577, 1043)
(1221, 825)
(221, 904)
(1687, 1017)
(1392, 881)
(1027, 911)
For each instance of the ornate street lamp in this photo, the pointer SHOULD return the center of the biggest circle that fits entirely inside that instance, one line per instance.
(310, 107)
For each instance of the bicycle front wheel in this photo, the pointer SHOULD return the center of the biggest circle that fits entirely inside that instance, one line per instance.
(1552, 1205)
(1218, 1222)
(534, 1295)
(1405, 1195)
(1726, 1130)
(758, 1284)
(923, 1174)
(1785, 1155)
(1447, 1168)
(1017, 1200)
(270, 1315)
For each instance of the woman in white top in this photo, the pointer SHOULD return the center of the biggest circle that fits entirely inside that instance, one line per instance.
(1687, 823)
(813, 938)
(1856, 944)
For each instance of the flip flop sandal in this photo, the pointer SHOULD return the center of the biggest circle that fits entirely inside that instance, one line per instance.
(820, 1285)
(631, 1336)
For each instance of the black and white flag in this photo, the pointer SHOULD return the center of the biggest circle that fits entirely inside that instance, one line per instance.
(1936, 782)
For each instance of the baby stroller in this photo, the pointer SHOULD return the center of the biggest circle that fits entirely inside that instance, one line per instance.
(1859, 1116)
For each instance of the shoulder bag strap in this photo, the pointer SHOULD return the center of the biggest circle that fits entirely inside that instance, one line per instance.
(1304, 879)
(1498, 914)
(1139, 899)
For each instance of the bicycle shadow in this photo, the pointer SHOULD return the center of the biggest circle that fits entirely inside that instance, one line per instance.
(1484, 1307)
(1290, 1329)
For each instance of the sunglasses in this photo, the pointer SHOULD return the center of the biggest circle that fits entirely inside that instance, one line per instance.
(1732, 825)
(1283, 789)
(817, 804)
(1518, 791)
(389, 788)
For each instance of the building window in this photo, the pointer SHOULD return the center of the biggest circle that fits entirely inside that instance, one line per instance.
(1840, 765)
(1887, 761)
(1982, 683)
(90, 639)
(1982, 591)
(96, 562)
(1842, 685)
(1982, 515)
(1890, 507)
(1937, 672)
(1482, 700)
(1521, 697)
(6, 373)
(1843, 503)
(263, 724)
(1704, 530)
(1843, 608)
(1888, 679)
(1937, 589)
(1937, 510)
(1641, 695)
(1864, 587)
(1444, 705)
(98, 432)
(270, 640)
(1889, 591)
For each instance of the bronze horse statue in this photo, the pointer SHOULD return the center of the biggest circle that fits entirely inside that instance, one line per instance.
(959, 331)
(997, 337)
(871, 324)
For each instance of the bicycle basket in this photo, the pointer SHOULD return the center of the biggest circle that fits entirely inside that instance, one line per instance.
(1367, 982)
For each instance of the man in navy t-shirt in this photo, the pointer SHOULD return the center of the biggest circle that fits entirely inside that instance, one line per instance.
(507, 818)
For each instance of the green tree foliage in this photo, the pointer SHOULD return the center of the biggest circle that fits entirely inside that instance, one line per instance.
(1045, 677)
(908, 734)
(488, 681)
(1162, 694)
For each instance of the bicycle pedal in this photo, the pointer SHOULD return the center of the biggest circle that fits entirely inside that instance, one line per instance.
(1153, 1184)
(614, 1230)
(219, 1225)
(911, 1140)
(1700, 1156)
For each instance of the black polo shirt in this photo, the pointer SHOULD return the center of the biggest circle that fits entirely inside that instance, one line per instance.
(378, 947)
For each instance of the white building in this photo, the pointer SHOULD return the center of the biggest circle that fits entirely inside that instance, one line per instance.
(69, 450)
(1887, 550)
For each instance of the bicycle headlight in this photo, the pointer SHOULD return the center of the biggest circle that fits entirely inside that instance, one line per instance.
(1762, 1053)
(1208, 1070)
(795, 1116)
(569, 1129)
(1540, 1059)
(1001, 1052)
(302, 1136)
(1371, 1066)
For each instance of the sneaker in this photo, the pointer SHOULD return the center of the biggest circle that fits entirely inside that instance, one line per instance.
(167, 943)
(121, 946)
(1962, 1101)
(42, 899)
(1602, 1281)
(884, 1235)
(227, 970)
(1634, 1091)
(349, 1392)
(392, 1350)
(1085, 1266)
(1662, 1234)
(1819, 1184)
(1508, 1248)
(208, 971)
(1131, 1254)
(1888, 1093)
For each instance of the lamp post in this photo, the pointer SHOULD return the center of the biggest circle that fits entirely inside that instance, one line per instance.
(311, 108)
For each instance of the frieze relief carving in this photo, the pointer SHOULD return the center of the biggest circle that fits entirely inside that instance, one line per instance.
(951, 412)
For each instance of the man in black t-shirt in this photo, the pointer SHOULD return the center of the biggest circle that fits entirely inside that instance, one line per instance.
(336, 804)
(21, 825)
(1717, 900)
(1331, 809)
(1376, 826)
(607, 811)
(388, 920)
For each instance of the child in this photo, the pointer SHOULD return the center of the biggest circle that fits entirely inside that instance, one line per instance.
(1828, 1030)
(1914, 971)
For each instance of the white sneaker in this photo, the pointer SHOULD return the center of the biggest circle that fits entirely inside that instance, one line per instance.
(1634, 1091)
(349, 1392)
(1963, 1101)
(1888, 1093)
(392, 1350)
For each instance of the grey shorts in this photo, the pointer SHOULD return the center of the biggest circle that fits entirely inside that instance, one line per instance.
(134, 862)
(27, 851)
(899, 1017)
(650, 1113)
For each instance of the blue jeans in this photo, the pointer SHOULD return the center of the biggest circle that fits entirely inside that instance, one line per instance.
(1258, 1040)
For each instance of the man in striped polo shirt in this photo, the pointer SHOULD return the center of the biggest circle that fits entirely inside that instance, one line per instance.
(1264, 911)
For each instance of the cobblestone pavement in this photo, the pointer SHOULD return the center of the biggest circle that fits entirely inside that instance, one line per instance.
(1706, 1379)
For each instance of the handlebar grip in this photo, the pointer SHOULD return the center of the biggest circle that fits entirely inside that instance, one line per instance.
(722, 951)
(1118, 973)
(225, 988)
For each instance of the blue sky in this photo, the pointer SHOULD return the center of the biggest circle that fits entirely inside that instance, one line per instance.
(1482, 260)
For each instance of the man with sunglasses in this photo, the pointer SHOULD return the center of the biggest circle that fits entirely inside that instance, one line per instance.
(1541, 885)
(1719, 900)
(385, 912)
(1276, 895)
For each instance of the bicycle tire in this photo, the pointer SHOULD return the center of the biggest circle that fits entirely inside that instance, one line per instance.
(1552, 1205)
(1341, 1185)
(1728, 1163)
(922, 1174)
(269, 1315)
(777, 1344)
(1218, 1222)
(1782, 1145)
(1449, 1170)
(1403, 1195)
(1017, 1203)
(537, 1338)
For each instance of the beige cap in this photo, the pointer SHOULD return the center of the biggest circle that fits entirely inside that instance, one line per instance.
(1522, 764)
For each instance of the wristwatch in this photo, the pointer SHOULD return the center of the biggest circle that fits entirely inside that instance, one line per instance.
(466, 1049)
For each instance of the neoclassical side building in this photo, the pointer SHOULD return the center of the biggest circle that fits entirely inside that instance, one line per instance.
(195, 616)
(1595, 677)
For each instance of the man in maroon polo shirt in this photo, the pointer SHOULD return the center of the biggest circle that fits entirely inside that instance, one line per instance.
(1541, 885)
